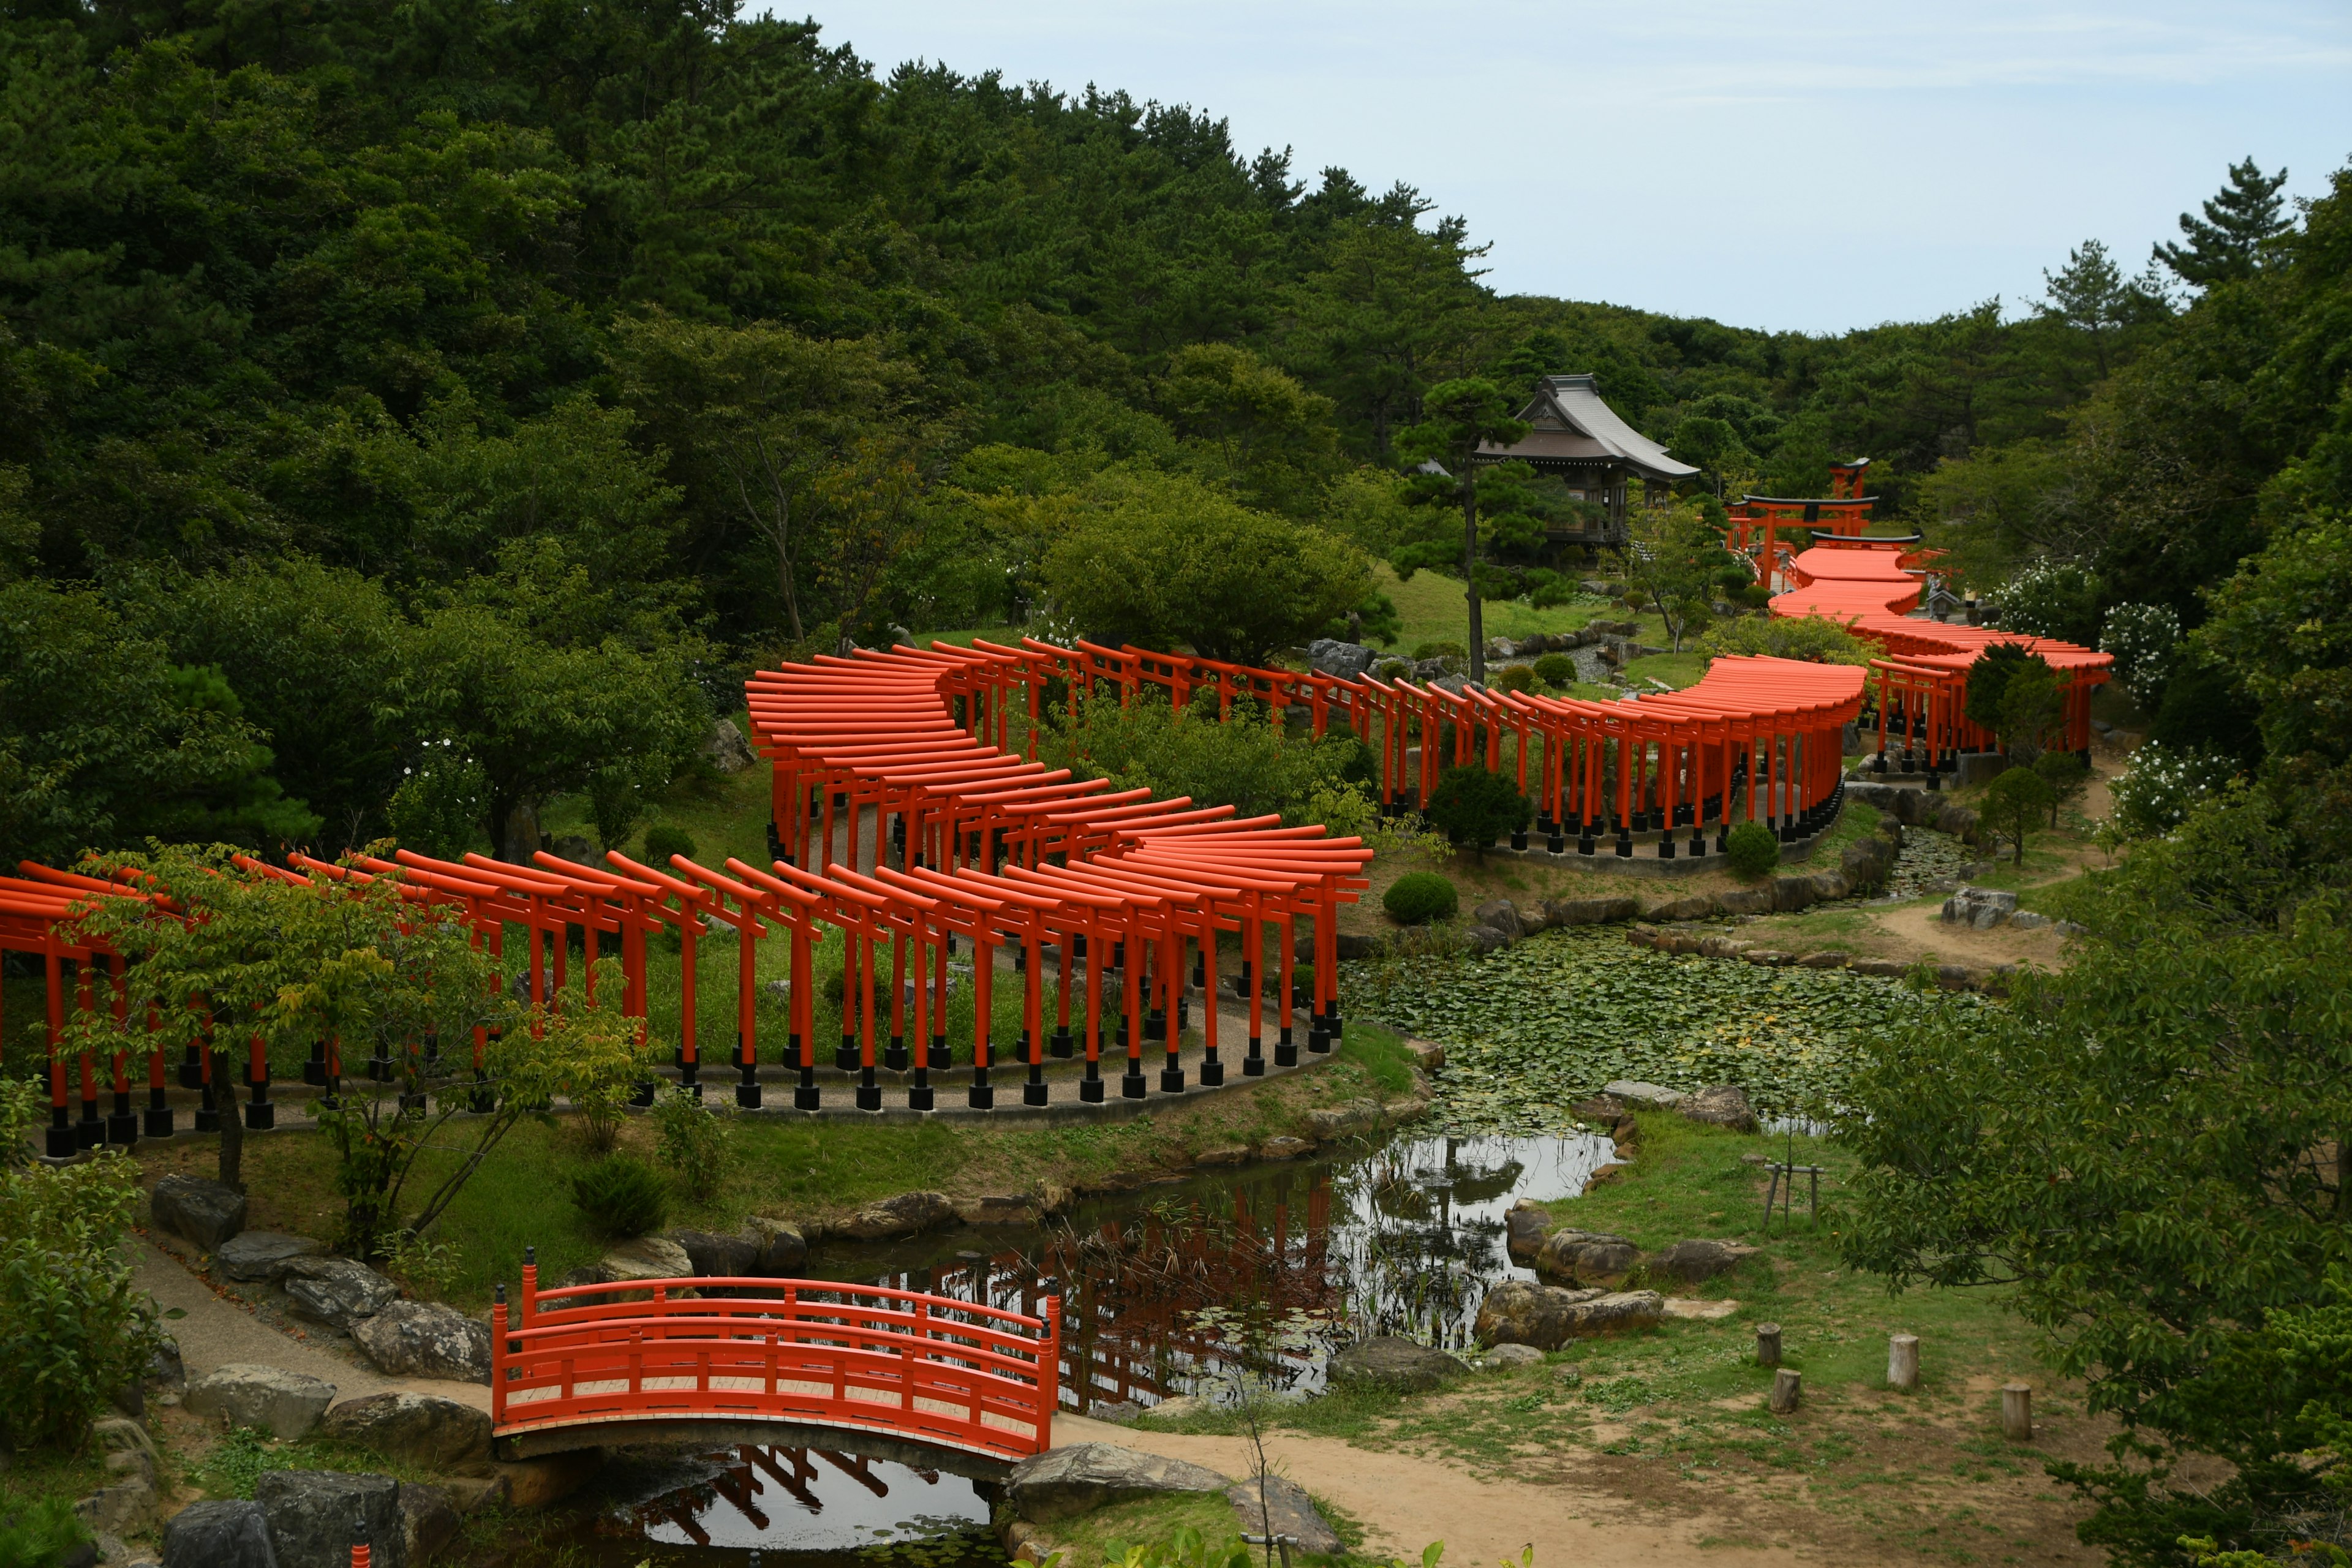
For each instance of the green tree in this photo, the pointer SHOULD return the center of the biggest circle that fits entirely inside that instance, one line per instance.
(1166, 562)
(1461, 417)
(1677, 557)
(2013, 805)
(1473, 806)
(1254, 428)
(2227, 243)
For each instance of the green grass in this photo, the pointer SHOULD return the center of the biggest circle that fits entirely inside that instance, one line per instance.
(1676, 669)
(1855, 820)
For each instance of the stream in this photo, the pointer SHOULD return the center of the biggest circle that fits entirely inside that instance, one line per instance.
(1202, 1286)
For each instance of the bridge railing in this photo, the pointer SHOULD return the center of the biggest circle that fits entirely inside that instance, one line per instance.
(930, 1369)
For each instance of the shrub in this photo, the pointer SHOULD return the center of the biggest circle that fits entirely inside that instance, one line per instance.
(2159, 786)
(1752, 849)
(620, 1196)
(1419, 897)
(1245, 762)
(2013, 804)
(1555, 669)
(1473, 806)
(693, 1139)
(2052, 600)
(2142, 639)
(1393, 669)
(1512, 678)
(663, 840)
(1440, 650)
(72, 1331)
(605, 1058)
(2066, 774)
(44, 1534)
(1816, 638)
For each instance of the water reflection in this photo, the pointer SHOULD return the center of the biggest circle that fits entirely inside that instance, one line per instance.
(1264, 1270)
(796, 1499)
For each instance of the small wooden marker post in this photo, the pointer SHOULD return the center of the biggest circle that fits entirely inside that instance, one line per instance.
(2017, 1412)
(1767, 1344)
(1787, 1388)
(1903, 1364)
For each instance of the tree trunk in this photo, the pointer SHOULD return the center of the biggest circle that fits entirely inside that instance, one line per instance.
(518, 834)
(231, 1118)
(1470, 575)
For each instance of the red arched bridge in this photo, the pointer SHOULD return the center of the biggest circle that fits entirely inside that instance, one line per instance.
(930, 1380)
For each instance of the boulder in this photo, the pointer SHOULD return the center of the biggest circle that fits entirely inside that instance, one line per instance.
(726, 749)
(165, 1369)
(423, 1429)
(1389, 1362)
(998, 1209)
(1958, 977)
(336, 1290)
(783, 1247)
(262, 1254)
(1590, 911)
(1284, 1148)
(283, 1404)
(1744, 901)
(1485, 939)
(1697, 907)
(1720, 1105)
(645, 1257)
(1548, 1316)
(1585, 1256)
(220, 1533)
(909, 1213)
(2026, 919)
(1062, 1482)
(1349, 945)
(1277, 1505)
(1721, 947)
(712, 1255)
(1343, 1120)
(1979, 909)
(1790, 893)
(1829, 885)
(206, 1213)
(1831, 959)
(428, 1519)
(547, 1480)
(1769, 957)
(124, 1506)
(1884, 968)
(1512, 1355)
(419, 1339)
(1503, 916)
(1225, 1154)
(1697, 1261)
(1345, 659)
(311, 1514)
(1645, 1096)
(1527, 1224)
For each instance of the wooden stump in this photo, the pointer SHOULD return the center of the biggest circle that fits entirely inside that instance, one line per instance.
(1767, 1344)
(1903, 1364)
(2017, 1412)
(1787, 1388)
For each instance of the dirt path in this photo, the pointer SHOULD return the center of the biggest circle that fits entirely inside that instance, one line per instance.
(217, 1332)
(1406, 1502)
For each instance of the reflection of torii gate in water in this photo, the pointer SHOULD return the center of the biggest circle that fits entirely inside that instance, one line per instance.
(740, 1482)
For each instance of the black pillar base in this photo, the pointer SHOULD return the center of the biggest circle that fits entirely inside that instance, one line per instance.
(1519, 839)
(159, 1121)
(1061, 1045)
(314, 1073)
(1934, 782)
(1033, 1093)
(1584, 843)
(260, 1117)
(939, 1059)
(805, 1095)
(62, 1145)
(845, 1055)
(415, 1102)
(1172, 1081)
(747, 1096)
(1090, 1092)
(1624, 843)
(894, 1056)
(122, 1128)
(1213, 1073)
(1254, 1064)
(1698, 843)
(1555, 845)
(920, 1098)
(869, 1097)
(207, 1119)
(981, 1096)
(1131, 1086)
(1667, 847)
(1318, 1041)
(192, 1071)
(643, 1095)
(1285, 1051)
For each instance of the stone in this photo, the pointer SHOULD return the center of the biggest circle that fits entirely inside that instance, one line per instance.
(1427, 1055)
(1083, 1476)
(2026, 919)
(645, 1257)
(1345, 659)
(1698, 907)
(133, 1464)
(1001, 1208)
(711, 1255)
(1697, 1261)
(1277, 1505)
(1585, 1256)
(1720, 1105)
(1350, 945)
(1503, 915)
(311, 1514)
(219, 1532)
(120, 1434)
(336, 1290)
(1527, 1225)
(1822, 960)
(1744, 901)
(424, 1428)
(165, 1369)
(206, 1213)
(1829, 885)
(253, 1255)
(126, 1507)
(283, 1404)
(1769, 957)
(909, 1213)
(1548, 1316)
(545, 1481)
(1958, 977)
(1390, 1361)
(726, 749)
(783, 1247)
(1720, 947)
(428, 1519)
(1979, 768)
(575, 847)
(1642, 1096)
(1591, 911)
(1884, 968)
(1791, 893)
(420, 1338)
(1485, 939)
(1226, 1154)
(1342, 1120)
(1284, 1148)
(1979, 909)
(1686, 1310)
(1512, 1355)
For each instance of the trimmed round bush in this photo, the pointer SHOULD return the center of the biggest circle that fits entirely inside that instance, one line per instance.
(1418, 898)
(664, 841)
(621, 1196)
(1752, 849)
(1511, 677)
(1555, 669)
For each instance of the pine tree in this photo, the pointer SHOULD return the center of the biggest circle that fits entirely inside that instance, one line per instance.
(2226, 244)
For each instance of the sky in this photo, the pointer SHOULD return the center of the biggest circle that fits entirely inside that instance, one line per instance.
(1810, 167)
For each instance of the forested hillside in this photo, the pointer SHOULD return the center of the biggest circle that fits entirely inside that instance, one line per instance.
(465, 393)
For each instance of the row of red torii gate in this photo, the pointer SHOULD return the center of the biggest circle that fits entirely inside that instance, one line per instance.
(908, 816)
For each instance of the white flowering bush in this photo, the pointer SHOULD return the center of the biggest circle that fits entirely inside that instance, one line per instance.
(2050, 599)
(2157, 787)
(2142, 639)
(442, 804)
